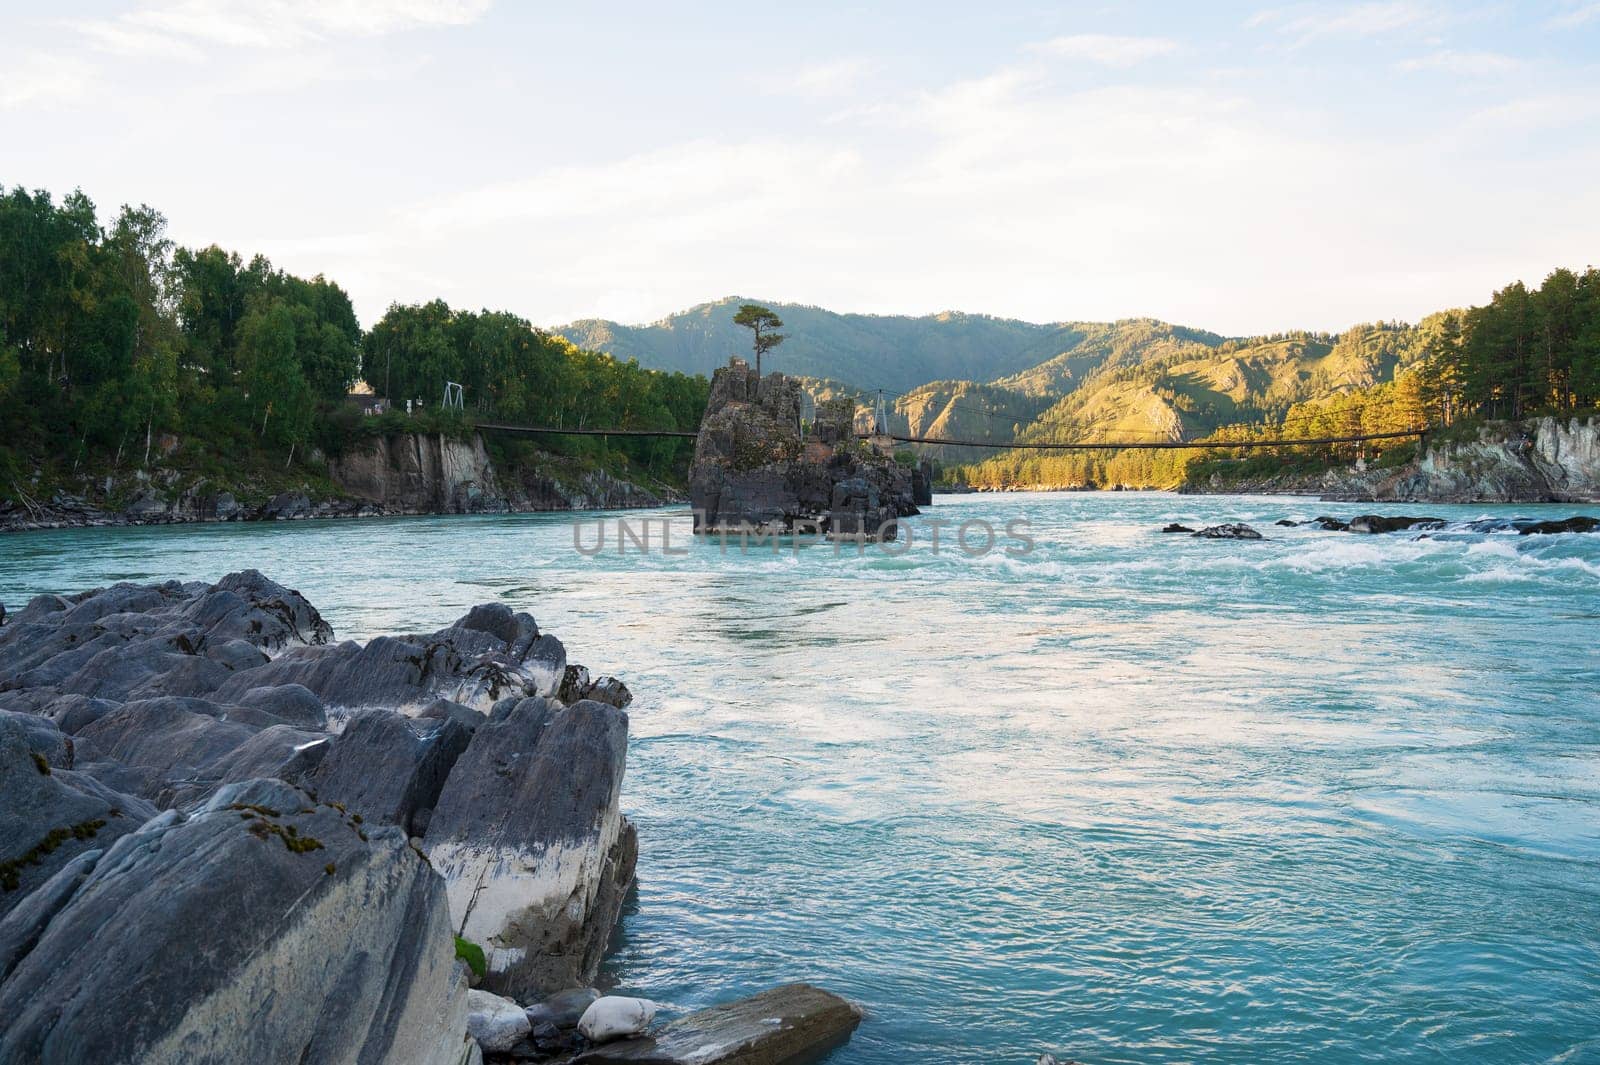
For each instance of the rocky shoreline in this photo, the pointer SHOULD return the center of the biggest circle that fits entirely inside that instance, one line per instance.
(1375, 524)
(225, 836)
(403, 474)
(1546, 460)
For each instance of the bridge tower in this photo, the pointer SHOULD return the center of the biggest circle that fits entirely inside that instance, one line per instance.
(880, 426)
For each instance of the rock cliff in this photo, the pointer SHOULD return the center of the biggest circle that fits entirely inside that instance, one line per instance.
(1548, 460)
(423, 473)
(758, 469)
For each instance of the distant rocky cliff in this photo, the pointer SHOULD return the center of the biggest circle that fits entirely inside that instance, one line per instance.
(1548, 460)
(758, 469)
(401, 473)
(417, 473)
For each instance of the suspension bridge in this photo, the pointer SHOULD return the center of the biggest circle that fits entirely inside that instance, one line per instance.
(1063, 445)
(880, 421)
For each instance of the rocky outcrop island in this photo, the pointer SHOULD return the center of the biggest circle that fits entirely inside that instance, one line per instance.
(760, 468)
(227, 837)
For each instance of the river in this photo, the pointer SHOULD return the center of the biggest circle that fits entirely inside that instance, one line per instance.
(1128, 797)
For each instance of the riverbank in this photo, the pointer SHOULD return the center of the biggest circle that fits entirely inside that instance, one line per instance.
(1546, 460)
(398, 474)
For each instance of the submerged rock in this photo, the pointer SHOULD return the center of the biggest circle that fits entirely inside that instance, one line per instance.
(1174, 527)
(1230, 531)
(795, 1022)
(1383, 523)
(1575, 524)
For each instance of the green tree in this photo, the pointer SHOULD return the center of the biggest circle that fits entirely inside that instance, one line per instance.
(763, 325)
(271, 374)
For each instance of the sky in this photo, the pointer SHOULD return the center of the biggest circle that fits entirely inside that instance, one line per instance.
(1243, 168)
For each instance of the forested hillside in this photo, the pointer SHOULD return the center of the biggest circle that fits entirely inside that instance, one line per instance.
(1527, 352)
(867, 351)
(120, 351)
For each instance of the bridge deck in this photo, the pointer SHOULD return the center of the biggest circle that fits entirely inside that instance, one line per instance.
(1078, 445)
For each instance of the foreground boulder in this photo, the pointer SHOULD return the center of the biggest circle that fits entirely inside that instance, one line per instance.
(616, 1017)
(795, 1022)
(282, 908)
(225, 937)
(529, 835)
(139, 641)
(498, 1024)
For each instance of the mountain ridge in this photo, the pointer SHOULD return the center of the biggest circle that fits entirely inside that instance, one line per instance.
(869, 351)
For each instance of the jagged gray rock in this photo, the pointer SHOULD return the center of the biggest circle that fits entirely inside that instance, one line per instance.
(188, 697)
(529, 836)
(464, 664)
(161, 742)
(221, 938)
(389, 768)
(49, 816)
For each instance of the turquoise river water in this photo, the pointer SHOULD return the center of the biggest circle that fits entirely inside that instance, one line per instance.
(1126, 798)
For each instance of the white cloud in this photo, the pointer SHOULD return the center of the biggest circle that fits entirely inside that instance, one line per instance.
(698, 186)
(1474, 64)
(1577, 15)
(1548, 111)
(1108, 50)
(1306, 23)
(43, 79)
(185, 27)
(820, 80)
